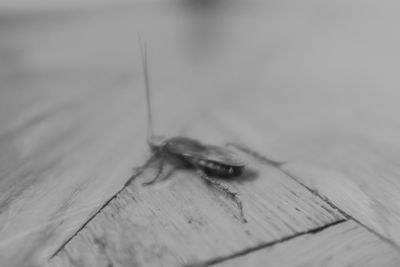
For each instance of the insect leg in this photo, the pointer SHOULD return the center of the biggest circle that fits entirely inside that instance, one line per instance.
(159, 171)
(139, 170)
(232, 195)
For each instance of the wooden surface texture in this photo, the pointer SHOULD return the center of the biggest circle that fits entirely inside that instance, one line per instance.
(312, 85)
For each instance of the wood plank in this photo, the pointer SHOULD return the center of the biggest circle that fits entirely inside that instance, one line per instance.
(345, 244)
(181, 221)
(328, 108)
(72, 110)
(282, 88)
(362, 179)
(72, 128)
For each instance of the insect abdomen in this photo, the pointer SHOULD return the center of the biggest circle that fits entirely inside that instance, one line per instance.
(218, 169)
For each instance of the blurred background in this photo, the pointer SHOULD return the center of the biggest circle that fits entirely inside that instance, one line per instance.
(55, 49)
(306, 55)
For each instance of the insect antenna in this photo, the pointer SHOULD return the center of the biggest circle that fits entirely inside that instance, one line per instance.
(143, 51)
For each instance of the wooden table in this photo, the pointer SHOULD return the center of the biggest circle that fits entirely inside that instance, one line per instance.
(313, 85)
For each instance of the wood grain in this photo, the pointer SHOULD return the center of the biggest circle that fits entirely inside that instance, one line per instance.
(183, 221)
(72, 111)
(312, 84)
(72, 127)
(345, 244)
(328, 108)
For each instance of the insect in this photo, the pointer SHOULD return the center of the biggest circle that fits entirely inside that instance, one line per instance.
(206, 160)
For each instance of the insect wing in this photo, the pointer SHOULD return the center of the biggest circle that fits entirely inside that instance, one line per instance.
(191, 148)
(220, 155)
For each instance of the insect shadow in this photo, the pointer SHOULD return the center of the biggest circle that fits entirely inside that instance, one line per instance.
(207, 161)
(248, 175)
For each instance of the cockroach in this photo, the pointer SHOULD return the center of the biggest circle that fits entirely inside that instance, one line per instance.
(208, 161)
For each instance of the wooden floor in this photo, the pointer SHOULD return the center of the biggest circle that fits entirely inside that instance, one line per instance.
(313, 84)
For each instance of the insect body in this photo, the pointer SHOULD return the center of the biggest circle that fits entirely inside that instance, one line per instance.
(213, 160)
(206, 160)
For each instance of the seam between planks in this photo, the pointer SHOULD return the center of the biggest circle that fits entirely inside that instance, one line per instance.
(396, 246)
(216, 260)
(252, 153)
(279, 165)
(86, 223)
(138, 173)
(265, 245)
